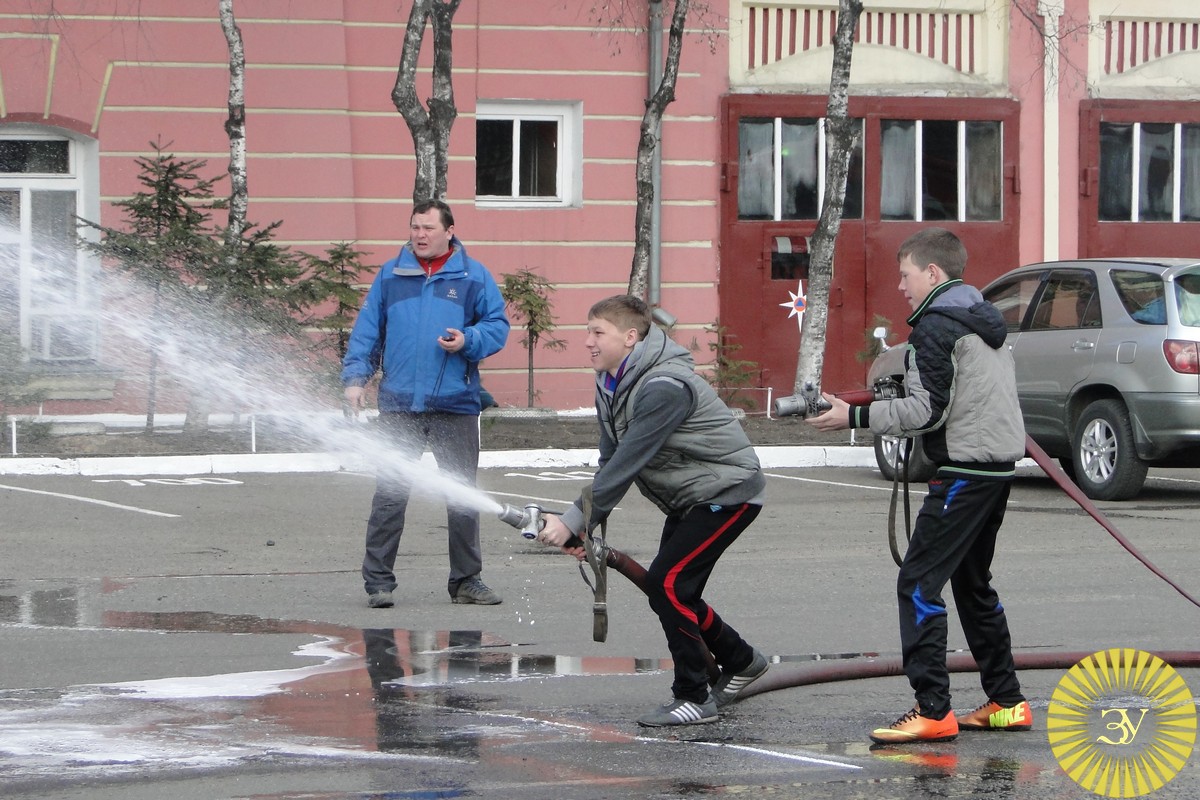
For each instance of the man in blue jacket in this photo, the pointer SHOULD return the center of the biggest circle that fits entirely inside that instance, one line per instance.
(432, 314)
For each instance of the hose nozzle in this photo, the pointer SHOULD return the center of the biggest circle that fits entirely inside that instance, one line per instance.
(528, 520)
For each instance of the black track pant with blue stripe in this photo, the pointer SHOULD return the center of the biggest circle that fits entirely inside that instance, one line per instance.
(953, 540)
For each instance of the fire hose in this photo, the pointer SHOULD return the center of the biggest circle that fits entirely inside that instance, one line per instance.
(601, 555)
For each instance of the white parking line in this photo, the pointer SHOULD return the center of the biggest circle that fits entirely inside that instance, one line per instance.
(89, 500)
(875, 487)
(776, 754)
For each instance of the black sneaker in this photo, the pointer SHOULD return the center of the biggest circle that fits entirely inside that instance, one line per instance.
(380, 600)
(474, 590)
(730, 684)
(681, 712)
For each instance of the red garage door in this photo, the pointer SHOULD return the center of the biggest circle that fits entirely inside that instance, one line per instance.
(921, 162)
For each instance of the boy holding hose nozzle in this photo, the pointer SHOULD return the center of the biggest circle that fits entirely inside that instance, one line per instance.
(960, 394)
(664, 428)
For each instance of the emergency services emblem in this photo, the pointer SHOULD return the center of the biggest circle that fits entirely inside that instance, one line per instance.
(1121, 723)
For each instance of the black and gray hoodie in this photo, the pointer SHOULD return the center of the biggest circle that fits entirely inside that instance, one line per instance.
(959, 385)
(664, 428)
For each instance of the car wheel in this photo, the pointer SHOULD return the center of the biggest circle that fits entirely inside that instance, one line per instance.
(1106, 463)
(889, 451)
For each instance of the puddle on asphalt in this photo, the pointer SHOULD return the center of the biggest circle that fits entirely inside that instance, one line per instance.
(372, 694)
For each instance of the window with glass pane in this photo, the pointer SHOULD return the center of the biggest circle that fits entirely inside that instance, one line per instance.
(853, 209)
(961, 170)
(493, 157)
(1187, 298)
(34, 156)
(939, 169)
(799, 173)
(10, 210)
(1156, 187)
(800, 155)
(898, 181)
(1141, 294)
(1189, 177)
(984, 170)
(1012, 299)
(756, 169)
(52, 224)
(539, 158)
(10, 288)
(1066, 302)
(516, 158)
(1116, 171)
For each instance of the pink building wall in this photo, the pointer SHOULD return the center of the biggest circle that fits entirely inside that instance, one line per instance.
(329, 154)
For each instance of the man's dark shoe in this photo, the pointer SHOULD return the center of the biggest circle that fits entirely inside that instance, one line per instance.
(380, 600)
(730, 684)
(474, 590)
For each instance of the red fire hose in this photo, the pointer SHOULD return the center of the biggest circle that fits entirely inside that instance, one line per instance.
(783, 677)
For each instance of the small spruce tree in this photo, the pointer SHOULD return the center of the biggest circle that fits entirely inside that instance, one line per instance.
(528, 297)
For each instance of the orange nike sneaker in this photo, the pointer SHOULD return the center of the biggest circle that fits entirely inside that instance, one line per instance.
(991, 716)
(912, 727)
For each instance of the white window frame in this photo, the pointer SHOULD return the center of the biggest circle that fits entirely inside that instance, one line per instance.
(822, 154)
(1135, 209)
(961, 167)
(569, 175)
(82, 310)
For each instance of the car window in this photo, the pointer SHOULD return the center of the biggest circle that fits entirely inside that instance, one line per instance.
(1068, 301)
(1012, 298)
(1187, 298)
(1141, 294)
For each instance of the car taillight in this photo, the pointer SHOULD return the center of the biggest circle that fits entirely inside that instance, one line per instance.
(1182, 356)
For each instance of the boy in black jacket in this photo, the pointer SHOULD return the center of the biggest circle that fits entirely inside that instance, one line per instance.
(961, 394)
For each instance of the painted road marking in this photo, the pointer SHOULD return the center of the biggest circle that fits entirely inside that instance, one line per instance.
(577, 475)
(776, 754)
(886, 488)
(205, 481)
(89, 500)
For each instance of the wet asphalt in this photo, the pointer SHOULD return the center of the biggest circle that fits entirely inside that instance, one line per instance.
(207, 636)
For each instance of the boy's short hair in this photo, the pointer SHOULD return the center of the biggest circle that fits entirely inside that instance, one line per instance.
(625, 311)
(935, 246)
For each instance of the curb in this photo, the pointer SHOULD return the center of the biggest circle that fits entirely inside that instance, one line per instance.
(771, 457)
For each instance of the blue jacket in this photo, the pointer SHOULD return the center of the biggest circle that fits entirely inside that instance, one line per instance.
(403, 315)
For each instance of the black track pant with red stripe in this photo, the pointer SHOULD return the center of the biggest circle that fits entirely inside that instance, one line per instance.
(690, 546)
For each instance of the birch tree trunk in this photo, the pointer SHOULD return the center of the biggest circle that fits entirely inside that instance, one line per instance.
(430, 129)
(235, 126)
(840, 134)
(200, 401)
(648, 142)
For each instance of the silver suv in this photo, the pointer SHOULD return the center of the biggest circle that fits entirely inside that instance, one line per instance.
(1107, 353)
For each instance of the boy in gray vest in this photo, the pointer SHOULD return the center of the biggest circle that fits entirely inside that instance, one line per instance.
(664, 428)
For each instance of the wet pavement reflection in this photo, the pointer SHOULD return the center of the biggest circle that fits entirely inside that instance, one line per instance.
(386, 702)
